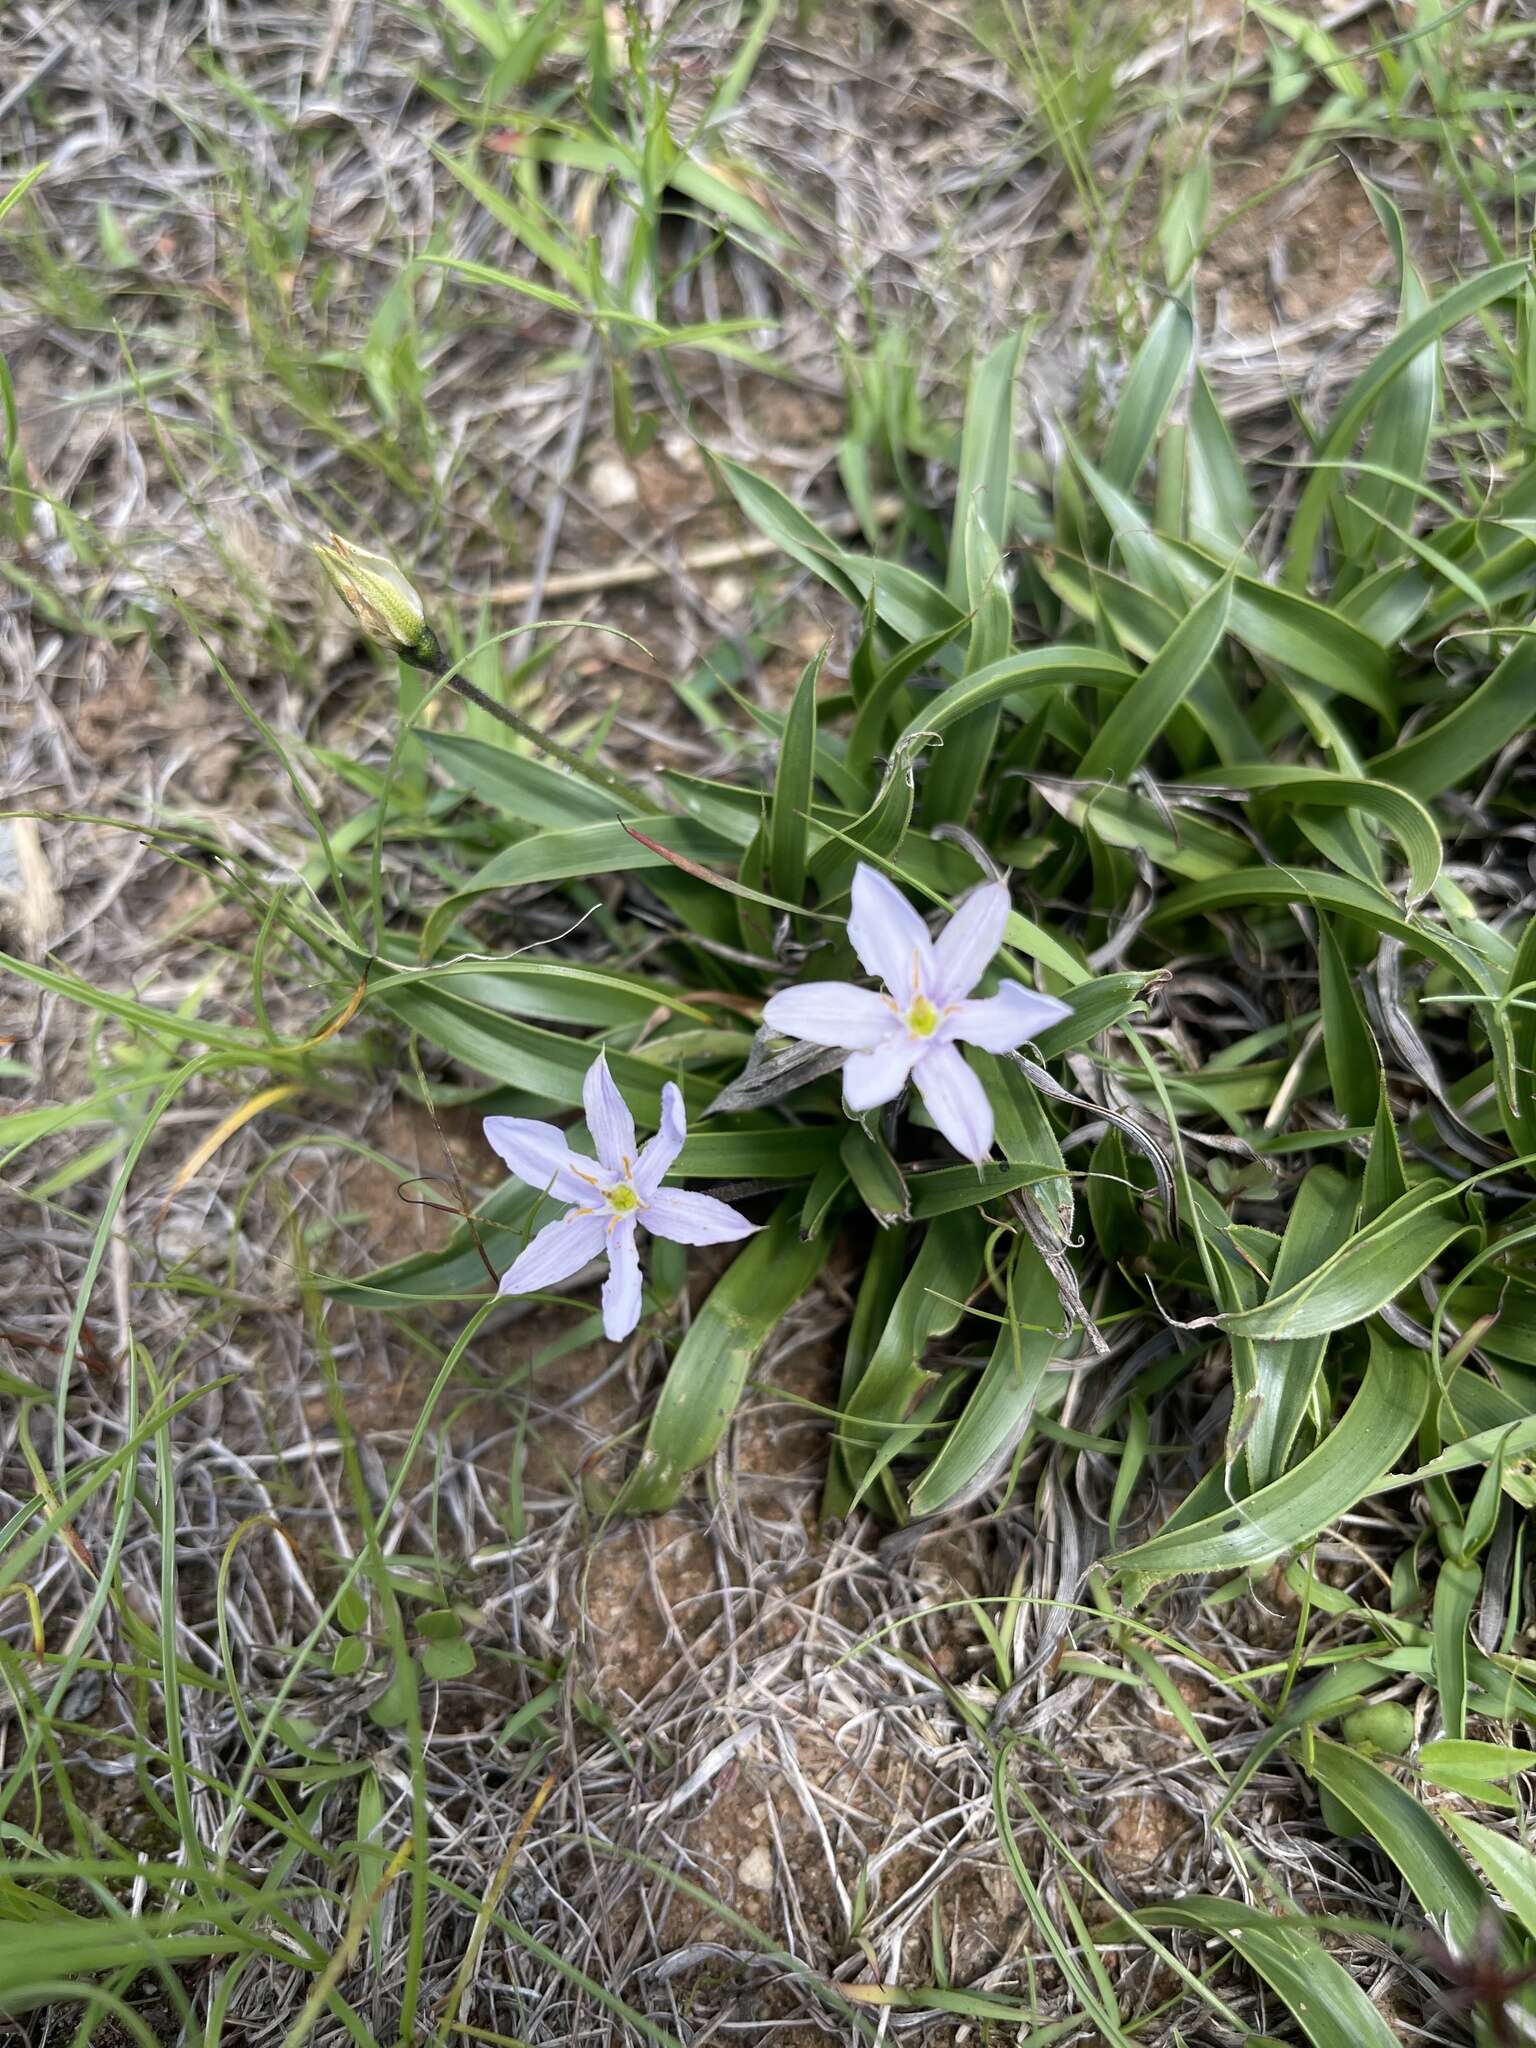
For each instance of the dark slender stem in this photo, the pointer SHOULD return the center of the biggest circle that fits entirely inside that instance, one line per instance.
(588, 770)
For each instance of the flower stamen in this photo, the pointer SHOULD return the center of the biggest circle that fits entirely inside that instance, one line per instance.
(922, 1019)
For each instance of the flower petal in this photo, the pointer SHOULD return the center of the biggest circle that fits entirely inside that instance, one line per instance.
(561, 1248)
(889, 937)
(963, 951)
(538, 1154)
(694, 1219)
(879, 1075)
(660, 1153)
(608, 1118)
(956, 1101)
(999, 1023)
(831, 1013)
(621, 1290)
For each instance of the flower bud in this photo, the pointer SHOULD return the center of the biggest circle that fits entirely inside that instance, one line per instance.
(381, 600)
(1387, 1727)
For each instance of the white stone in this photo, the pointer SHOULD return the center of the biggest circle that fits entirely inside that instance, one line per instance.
(755, 1870)
(611, 483)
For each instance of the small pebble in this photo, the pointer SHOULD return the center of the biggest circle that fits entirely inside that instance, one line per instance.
(755, 1870)
(611, 483)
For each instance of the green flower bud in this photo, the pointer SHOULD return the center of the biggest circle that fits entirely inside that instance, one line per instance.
(1387, 1726)
(381, 600)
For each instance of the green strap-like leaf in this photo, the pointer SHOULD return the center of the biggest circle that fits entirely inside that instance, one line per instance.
(1331, 2009)
(1157, 375)
(1285, 1374)
(790, 811)
(705, 1379)
(1509, 1865)
(1422, 1852)
(1341, 894)
(1349, 1046)
(1347, 1465)
(1445, 753)
(931, 1302)
(1355, 408)
(1124, 741)
(1038, 670)
(989, 1426)
(1403, 815)
(986, 460)
(1364, 1273)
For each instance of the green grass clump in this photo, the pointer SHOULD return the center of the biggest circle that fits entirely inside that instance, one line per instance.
(1250, 774)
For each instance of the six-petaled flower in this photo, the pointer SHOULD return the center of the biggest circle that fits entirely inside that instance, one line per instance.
(912, 1029)
(611, 1197)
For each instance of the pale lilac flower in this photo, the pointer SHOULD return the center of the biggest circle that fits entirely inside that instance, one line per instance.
(909, 1030)
(611, 1197)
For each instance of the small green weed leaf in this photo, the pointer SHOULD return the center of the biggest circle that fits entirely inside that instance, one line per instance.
(439, 1625)
(447, 1658)
(352, 1609)
(1476, 1770)
(393, 1704)
(349, 1657)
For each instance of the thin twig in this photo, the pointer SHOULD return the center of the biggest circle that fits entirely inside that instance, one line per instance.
(719, 554)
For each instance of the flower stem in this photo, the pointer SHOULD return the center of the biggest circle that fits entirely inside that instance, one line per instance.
(590, 771)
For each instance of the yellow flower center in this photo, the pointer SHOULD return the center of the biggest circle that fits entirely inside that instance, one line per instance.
(623, 1200)
(922, 1018)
